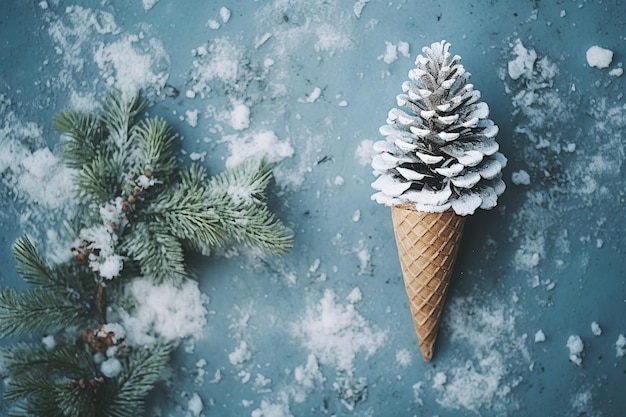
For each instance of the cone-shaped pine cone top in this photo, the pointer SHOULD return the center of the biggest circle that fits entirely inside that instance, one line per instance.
(439, 151)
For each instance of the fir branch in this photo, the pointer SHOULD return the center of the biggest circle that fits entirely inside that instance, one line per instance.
(34, 407)
(70, 361)
(66, 279)
(30, 264)
(73, 361)
(239, 197)
(98, 181)
(37, 309)
(155, 141)
(257, 226)
(84, 134)
(76, 401)
(186, 210)
(47, 398)
(159, 254)
(141, 372)
(247, 182)
(22, 358)
(31, 386)
(119, 115)
(193, 178)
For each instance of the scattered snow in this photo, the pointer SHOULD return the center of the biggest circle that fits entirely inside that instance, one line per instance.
(484, 377)
(219, 61)
(149, 4)
(616, 72)
(35, 177)
(364, 256)
(523, 63)
(540, 336)
(213, 24)
(331, 39)
(73, 33)
(404, 358)
(133, 63)
(582, 404)
(240, 117)
(520, 177)
(197, 156)
(439, 380)
(268, 409)
(595, 329)
(313, 96)
(264, 144)
(191, 116)
(418, 390)
(307, 377)
(364, 152)
(576, 348)
(620, 346)
(404, 48)
(531, 251)
(225, 14)
(315, 265)
(599, 57)
(262, 384)
(195, 405)
(241, 354)
(359, 5)
(336, 333)
(391, 53)
(355, 296)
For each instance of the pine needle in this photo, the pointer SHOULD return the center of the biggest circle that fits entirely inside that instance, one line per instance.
(37, 309)
(30, 264)
(141, 373)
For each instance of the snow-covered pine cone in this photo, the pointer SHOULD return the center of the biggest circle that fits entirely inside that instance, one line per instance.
(439, 152)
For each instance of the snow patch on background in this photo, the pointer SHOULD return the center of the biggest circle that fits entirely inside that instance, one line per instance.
(558, 168)
(130, 63)
(336, 334)
(482, 379)
(133, 63)
(34, 176)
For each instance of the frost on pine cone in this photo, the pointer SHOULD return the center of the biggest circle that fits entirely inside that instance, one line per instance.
(440, 151)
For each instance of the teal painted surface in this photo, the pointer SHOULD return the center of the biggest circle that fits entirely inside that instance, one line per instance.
(550, 257)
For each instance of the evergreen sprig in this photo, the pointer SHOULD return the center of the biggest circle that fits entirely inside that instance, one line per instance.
(65, 382)
(246, 216)
(141, 212)
(147, 246)
(142, 371)
(30, 264)
(37, 309)
(84, 133)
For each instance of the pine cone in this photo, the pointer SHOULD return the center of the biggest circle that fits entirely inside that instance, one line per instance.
(440, 152)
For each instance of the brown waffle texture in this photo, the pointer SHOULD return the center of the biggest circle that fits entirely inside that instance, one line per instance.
(427, 246)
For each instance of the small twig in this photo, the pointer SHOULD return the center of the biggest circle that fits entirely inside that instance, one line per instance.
(100, 304)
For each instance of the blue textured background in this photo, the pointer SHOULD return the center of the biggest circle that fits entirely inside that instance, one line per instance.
(549, 257)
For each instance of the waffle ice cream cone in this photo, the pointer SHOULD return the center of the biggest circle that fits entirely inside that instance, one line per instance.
(427, 246)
